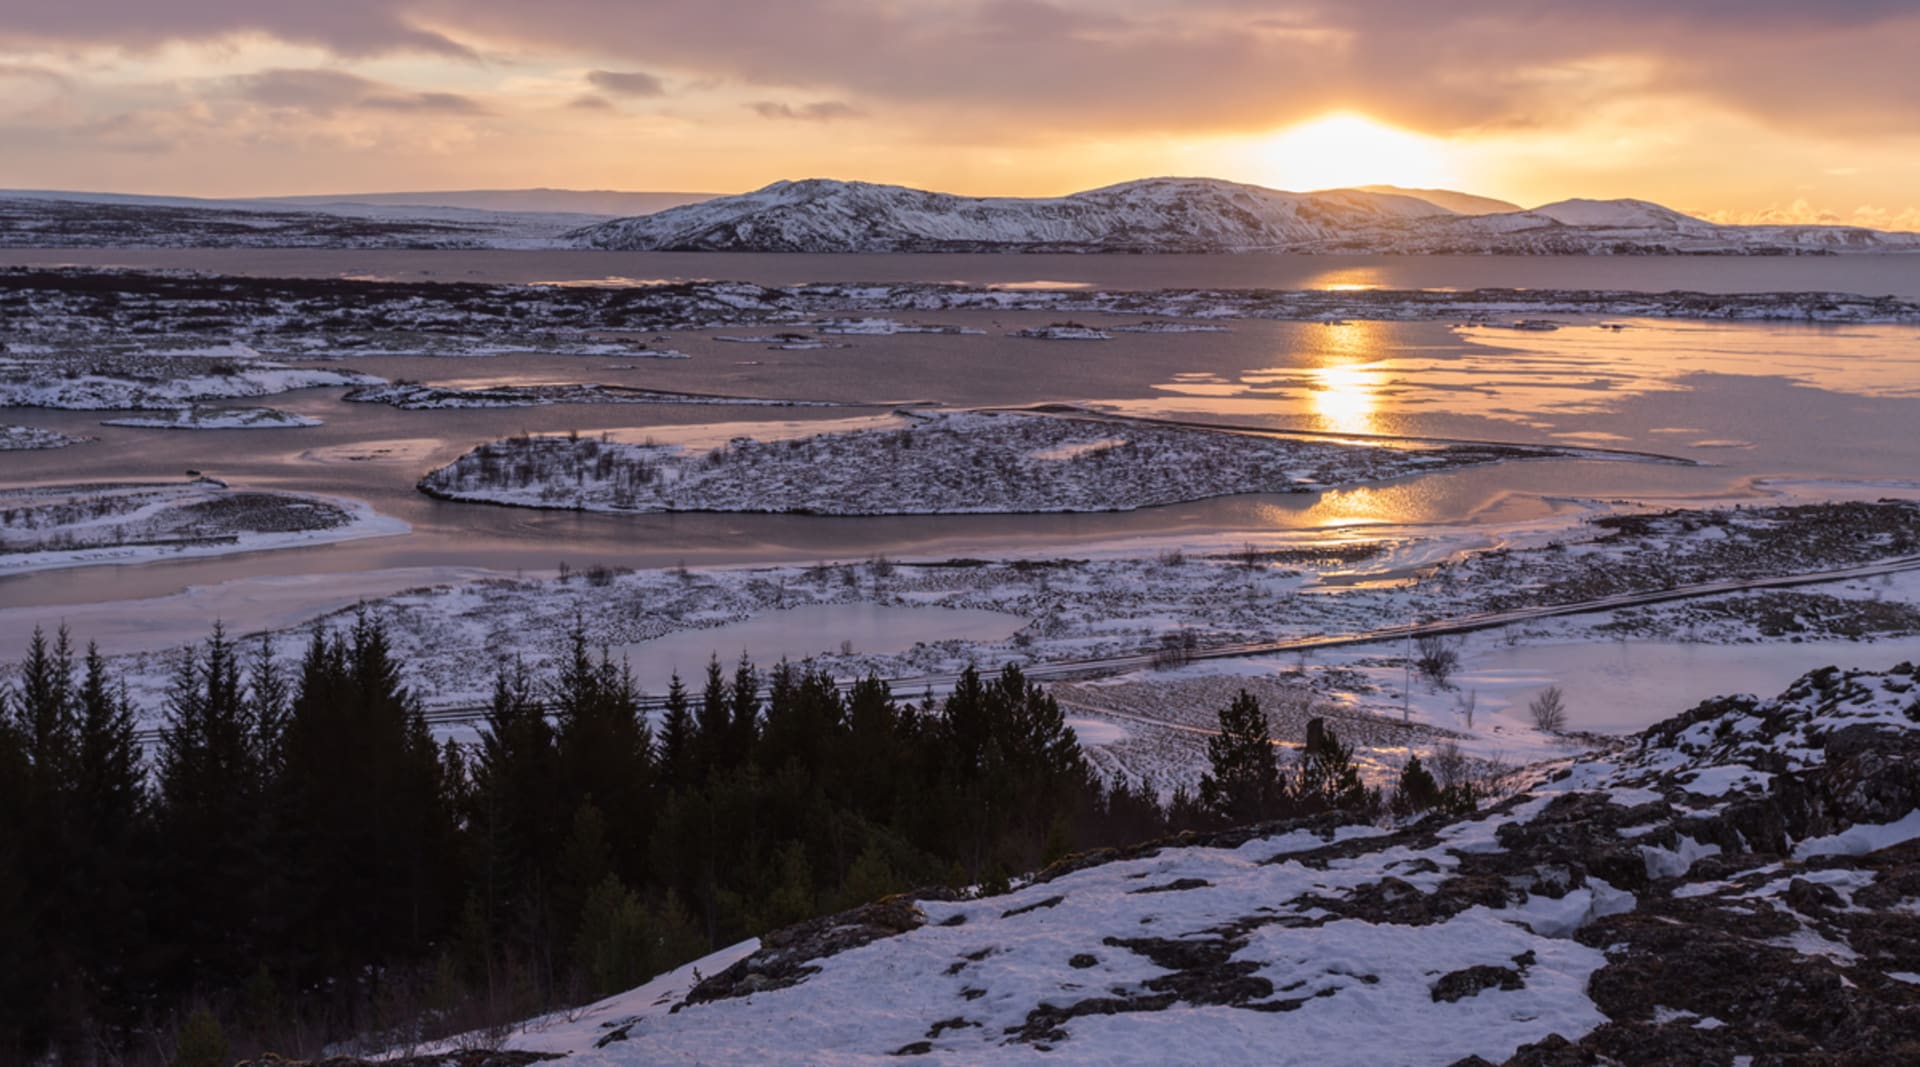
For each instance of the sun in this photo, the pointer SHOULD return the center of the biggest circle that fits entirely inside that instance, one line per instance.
(1345, 149)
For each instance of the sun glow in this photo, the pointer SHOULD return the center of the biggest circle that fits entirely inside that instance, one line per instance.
(1347, 149)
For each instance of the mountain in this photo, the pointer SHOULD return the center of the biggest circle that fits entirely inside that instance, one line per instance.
(604, 202)
(1198, 215)
(1737, 883)
(38, 218)
(1152, 215)
(1459, 203)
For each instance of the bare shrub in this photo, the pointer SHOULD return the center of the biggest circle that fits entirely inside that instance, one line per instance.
(1449, 765)
(1549, 709)
(1438, 658)
(1176, 649)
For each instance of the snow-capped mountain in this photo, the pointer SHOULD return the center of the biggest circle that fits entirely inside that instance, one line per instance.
(1154, 215)
(1197, 215)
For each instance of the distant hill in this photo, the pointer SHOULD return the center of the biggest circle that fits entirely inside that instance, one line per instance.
(1459, 203)
(1201, 215)
(1152, 215)
(607, 202)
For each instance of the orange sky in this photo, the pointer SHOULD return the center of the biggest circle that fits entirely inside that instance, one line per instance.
(1738, 109)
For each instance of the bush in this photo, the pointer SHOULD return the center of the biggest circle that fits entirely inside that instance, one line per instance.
(1439, 657)
(1549, 710)
(201, 1042)
(1417, 791)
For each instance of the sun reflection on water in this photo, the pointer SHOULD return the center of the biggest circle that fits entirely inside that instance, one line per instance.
(1345, 388)
(1343, 397)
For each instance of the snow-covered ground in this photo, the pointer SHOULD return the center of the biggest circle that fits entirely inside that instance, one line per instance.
(46, 527)
(1659, 903)
(201, 418)
(1062, 331)
(97, 312)
(161, 380)
(33, 439)
(413, 397)
(939, 463)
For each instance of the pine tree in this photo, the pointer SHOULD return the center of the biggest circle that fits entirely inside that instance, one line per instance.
(677, 739)
(1417, 791)
(367, 835)
(107, 841)
(1327, 777)
(714, 723)
(518, 805)
(210, 816)
(1243, 783)
(269, 692)
(201, 1044)
(743, 699)
(44, 709)
(605, 749)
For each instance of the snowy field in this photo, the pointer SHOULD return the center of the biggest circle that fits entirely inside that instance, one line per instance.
(1148, 717)
(52, 526)
(70, 310)
(199, 418)
(169, 380)
(33, 439)
(413, 397)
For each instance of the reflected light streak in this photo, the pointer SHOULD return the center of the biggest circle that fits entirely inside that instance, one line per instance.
(1345, 389)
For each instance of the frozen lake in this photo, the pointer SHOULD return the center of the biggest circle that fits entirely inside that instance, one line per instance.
(1870, 275)
(1623, 686)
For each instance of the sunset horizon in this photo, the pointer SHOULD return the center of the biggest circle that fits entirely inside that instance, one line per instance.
(1007, 98)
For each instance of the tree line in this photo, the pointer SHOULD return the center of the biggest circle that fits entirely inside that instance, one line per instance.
(298, 862)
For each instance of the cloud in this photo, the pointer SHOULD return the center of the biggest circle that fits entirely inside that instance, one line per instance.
(626, 83)
(819, 111)
(590, 102)
(345, 27)
(324, 92)
(1803, 213)
(1029, 69)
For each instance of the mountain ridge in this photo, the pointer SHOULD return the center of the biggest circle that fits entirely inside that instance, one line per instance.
(1183, 214)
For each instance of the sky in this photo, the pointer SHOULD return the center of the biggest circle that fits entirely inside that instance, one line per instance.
(1739, 110)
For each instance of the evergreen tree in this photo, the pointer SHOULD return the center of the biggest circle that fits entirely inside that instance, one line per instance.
(743, 699)
(210, 817)
(518, 800)
(1327, 777)
(106, 842)
(22, 978)
(44, 709)
(605, 749)
(269, 694)
(201, 1043)
(1243, 783)
(367, 836)
(1417, 792)
(677, 738)
(714, 723)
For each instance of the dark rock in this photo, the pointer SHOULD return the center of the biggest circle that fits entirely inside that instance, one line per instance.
(1050, 902)
(1472, 981)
